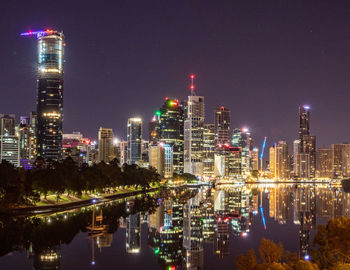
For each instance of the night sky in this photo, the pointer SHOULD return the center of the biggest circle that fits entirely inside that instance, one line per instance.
(261, 59)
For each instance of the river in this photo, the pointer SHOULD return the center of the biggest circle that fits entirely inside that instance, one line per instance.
(198, 228)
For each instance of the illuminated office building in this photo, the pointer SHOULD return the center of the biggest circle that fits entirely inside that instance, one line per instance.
(123, 145)
(167, 126)
(50, 93)
(254, 159)
(280, 160)
(193, 136)
(134, 136)
(208, 150)
(222, 125)
(228, 162)
(242, 138)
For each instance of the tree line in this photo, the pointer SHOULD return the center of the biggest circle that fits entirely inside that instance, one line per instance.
(331, 251)
(24, 187)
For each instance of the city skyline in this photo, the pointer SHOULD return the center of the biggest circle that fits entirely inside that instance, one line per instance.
(283, 80)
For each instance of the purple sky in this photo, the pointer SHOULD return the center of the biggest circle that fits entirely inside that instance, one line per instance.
(262, 59)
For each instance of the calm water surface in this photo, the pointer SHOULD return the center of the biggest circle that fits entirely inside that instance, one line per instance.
(177, 229)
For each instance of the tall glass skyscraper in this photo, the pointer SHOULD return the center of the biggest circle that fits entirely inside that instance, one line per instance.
(222, 125)
(134, 140)
(50, 93)
(168, 127)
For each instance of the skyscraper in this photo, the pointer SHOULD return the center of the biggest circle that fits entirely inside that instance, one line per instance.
(341, 160)
(208, 150)
(194, 127)
(241, 138)
(280, 160)
(222, 125)
(324, 162)
(161, 158)
(9, 140)
(307, 143)
(50, 93)
(134, 140)
(193, 133)
(105, 145)
(168, 127)
(27, 136)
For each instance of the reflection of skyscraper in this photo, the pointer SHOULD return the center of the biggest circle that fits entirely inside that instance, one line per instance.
(305, 216)
(192, 233)
(133, 233)
(222, 244)
(134, 140)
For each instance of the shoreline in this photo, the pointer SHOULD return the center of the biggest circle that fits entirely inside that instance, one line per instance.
(47, 209)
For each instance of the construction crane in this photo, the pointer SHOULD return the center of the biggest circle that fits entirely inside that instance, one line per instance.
(262, 154)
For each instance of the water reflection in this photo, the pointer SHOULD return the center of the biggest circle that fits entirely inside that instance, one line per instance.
(181, 223)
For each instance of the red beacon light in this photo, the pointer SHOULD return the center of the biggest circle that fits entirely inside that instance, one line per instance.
(192, 87)
(192, 76)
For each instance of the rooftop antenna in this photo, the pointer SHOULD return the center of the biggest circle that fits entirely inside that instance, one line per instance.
(192, 87)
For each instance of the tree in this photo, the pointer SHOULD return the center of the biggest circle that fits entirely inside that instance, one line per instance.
(270, 252)
(332, 243)
(247, 261)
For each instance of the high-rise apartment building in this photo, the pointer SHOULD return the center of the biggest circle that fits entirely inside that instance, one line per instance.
(280, 160)
(106, 151)
(254, 155)
(324, 163)
(193, 136)
(134, 140)
(50, 93)
(341, 160)
(222, 125)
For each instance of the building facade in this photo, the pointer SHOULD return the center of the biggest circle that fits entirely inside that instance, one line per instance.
(193, 136)
(222, 125)
(134, 140)
(50, 94)
(105, 145)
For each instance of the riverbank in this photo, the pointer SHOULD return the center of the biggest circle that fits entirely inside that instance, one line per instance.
(47, 209)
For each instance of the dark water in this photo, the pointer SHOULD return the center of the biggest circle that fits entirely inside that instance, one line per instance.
(177, 229)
